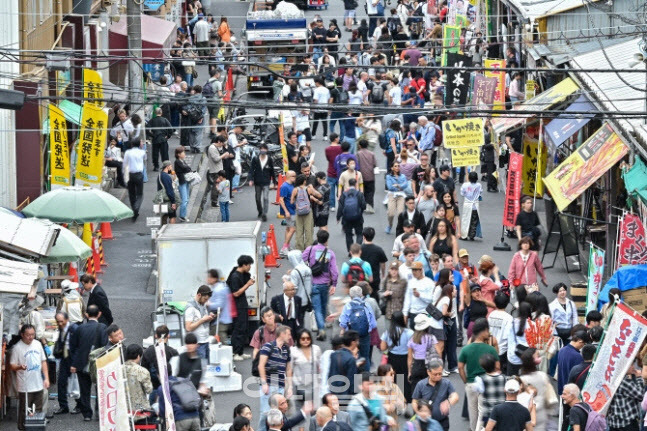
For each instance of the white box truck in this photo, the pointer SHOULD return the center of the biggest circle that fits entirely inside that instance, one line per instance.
(186, 251)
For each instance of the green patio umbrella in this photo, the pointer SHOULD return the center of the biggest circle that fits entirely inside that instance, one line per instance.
(78, 205)
(67, 248)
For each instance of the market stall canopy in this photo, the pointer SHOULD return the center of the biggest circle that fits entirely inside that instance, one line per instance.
(17, 277)
(542, 102)
(78, 205)
(567, 124)
(625, 278)
(635, 179)
(158, 36)
(67, 247)
(585, 165)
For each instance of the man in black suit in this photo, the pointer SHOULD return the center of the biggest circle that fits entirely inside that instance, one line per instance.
(325, 422)
(97, 297)
(62, 351)
(88, 336)
(288, 307)
(280, 403)
(262, 177)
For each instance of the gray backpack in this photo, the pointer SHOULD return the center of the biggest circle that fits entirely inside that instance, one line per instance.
(189, 397)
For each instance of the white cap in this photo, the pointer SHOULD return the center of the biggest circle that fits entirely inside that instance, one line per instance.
(512, 386)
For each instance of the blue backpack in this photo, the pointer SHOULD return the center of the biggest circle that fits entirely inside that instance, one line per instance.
(352, 210)
(358, 318)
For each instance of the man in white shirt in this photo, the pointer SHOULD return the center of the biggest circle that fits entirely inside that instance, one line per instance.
(29, 362)
(201, 33)
(123, 129)
(500, 322)
(320, 96)
(197, 319)
(373, 14)
(361, 86)
(134, 164)
(419, 294)
(395, 93)
(398, 244)
(113, 159)
(301, 123)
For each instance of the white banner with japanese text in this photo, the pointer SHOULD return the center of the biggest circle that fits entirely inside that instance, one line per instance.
(162, 374)
(111, 392)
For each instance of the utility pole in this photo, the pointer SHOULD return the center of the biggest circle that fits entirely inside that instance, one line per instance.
(135, 71)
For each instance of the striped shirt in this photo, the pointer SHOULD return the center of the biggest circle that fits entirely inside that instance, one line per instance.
(277, 360)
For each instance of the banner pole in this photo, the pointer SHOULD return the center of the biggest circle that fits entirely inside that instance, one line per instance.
(539, 145)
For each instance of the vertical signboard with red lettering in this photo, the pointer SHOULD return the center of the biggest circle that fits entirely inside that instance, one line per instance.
(111, 392)
(632, 244)
(513, 190)
(616, 354)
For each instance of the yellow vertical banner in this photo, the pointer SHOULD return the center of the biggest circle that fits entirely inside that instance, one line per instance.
(530, 166)
(92, 87)
(91, 146)
(59, 153)
(499, 93)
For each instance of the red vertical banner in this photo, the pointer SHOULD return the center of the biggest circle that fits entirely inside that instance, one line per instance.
(513, 190)
(632, 245)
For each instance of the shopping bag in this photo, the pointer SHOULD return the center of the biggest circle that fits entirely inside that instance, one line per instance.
(73, 389)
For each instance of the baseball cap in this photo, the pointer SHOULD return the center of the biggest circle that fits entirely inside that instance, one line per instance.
(463, 252)
(512, 386)
(416, 265)
(407, 223)
(444, 168)
(474, 287)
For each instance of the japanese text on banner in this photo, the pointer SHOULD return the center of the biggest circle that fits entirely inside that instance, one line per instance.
(463, 133)
(169, 417)
(465, 156)
(513, 190)
(615, 355)
(458, 79)
(499, 93)
(92, 87)
(632, 241)
(111, 392)
(59, 157)
(483, 92)
(91, 146)
(530, 153)
(596, 271)
(451, 41)
(584, 166)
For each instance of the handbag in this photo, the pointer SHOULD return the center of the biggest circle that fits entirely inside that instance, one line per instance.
(193, 178)
(517, 281)
(375, 337)
(161, 196)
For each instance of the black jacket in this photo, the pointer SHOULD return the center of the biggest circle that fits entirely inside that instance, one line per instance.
(418, 221)
(87, 336)
(149, 361)
(99, 298)
(159, 130)
(278, 305)
(264, 176)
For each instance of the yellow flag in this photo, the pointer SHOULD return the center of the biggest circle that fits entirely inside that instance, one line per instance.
(59, 153)
(92, 87)
(91, 146)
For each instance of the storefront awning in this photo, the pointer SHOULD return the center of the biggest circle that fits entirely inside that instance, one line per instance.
(158, 36)
(585, 165)
(567, 124)
(635, 179)
(541, 102)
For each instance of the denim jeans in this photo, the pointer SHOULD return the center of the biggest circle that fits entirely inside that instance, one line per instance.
(451, 339)
(224, 211)
(319, 298)
(262, 195)
(184, 198)
(333, 182)
(365, 350)
(317, 53)
(265, 398)
(203, 350)
(353, 145)
(336, 117)
(188, 77)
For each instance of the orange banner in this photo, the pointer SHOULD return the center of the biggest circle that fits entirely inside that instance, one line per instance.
(499, 93)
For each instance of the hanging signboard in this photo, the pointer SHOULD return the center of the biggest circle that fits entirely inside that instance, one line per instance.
(93, 87)
(530, 160)
(111, 392)
(632, 244)
(584, 166)
(615, 355)
(465, 156)
(458, 79)
(483, 92)
(463, 133)
(513, 190)
(59, 152)
(499, 93)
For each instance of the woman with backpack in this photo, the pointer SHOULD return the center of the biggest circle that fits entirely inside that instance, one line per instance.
(304, 221)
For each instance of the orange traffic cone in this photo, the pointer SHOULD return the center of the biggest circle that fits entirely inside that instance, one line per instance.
(72, 271)
(278, 188)
(270, 261)
(106, 231)
(96, 260)
(102, 258)
(271, 243)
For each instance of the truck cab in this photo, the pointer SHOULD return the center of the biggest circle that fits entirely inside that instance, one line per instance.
(274, 38)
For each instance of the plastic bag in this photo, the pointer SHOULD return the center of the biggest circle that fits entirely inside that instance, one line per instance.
(73, 389)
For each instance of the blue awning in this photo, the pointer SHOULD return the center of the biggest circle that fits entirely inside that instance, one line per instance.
(566, 124)
(153, 5)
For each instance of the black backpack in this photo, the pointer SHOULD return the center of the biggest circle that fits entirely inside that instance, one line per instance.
(189, 397)
(377, 94)
(195, 113)
(207, 90)
(343, 96)
(320, 266)
(261, 337)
